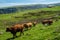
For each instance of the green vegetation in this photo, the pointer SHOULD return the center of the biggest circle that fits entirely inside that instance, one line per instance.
(39, 32)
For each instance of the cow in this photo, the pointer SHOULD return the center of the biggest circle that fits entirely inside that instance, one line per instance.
(47, 21)
(29, 24)
(34, 23)
(16, 28)
(50, 21)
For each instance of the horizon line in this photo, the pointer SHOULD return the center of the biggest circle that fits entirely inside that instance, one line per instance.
(17, 4)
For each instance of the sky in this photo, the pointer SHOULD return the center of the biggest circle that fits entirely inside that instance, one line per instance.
(4, 3)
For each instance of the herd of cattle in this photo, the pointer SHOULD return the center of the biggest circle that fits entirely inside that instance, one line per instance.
(20, 27)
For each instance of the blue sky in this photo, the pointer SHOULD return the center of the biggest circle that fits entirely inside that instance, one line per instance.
(28, 1)
(23, 2)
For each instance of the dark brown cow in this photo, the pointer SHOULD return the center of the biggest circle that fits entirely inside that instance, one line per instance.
(50, 21)
(16, 28)
(47, 21)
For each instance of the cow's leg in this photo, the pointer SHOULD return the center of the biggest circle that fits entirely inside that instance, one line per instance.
(26, 26)
(43, 23)
(14, 34)
(21, 32)
(29, 27)
(50, 23)
(34, 24)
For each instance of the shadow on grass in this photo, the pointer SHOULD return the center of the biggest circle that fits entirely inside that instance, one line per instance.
(10, 39)
(13, 38)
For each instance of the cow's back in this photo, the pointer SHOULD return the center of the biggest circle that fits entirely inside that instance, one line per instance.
(18, 26)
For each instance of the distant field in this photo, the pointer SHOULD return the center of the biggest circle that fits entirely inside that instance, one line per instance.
(40, 32)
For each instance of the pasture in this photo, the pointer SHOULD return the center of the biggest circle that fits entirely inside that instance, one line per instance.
(39, 32)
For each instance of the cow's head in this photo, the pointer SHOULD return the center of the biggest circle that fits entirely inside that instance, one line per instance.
(34, 23)
(8, 29)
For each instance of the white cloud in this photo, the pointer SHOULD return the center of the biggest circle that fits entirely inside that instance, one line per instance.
(14, 4)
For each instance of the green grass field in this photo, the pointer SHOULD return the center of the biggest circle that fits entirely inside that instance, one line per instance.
(39, 32)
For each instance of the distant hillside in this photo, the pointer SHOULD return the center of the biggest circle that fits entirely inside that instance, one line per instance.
(25, 7)
(56, 4)
(20, 8)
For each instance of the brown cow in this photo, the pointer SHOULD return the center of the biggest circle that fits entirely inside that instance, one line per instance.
(16, 28)
(34, 23)
(29, 24)
(47, 21)
(50, 21)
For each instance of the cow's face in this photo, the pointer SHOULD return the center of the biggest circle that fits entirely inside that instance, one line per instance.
(7, 29)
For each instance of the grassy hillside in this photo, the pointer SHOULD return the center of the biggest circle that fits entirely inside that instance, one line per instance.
(56, 8)
(40, 32)
(11, 16)
(13, 9)
(18, 16)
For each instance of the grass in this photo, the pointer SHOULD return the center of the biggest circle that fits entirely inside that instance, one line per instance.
(11, 16)
(39, 32)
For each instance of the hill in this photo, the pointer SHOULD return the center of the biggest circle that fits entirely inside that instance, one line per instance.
(21, 8)
(56, 4)
(39, 32)
(25, 7)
